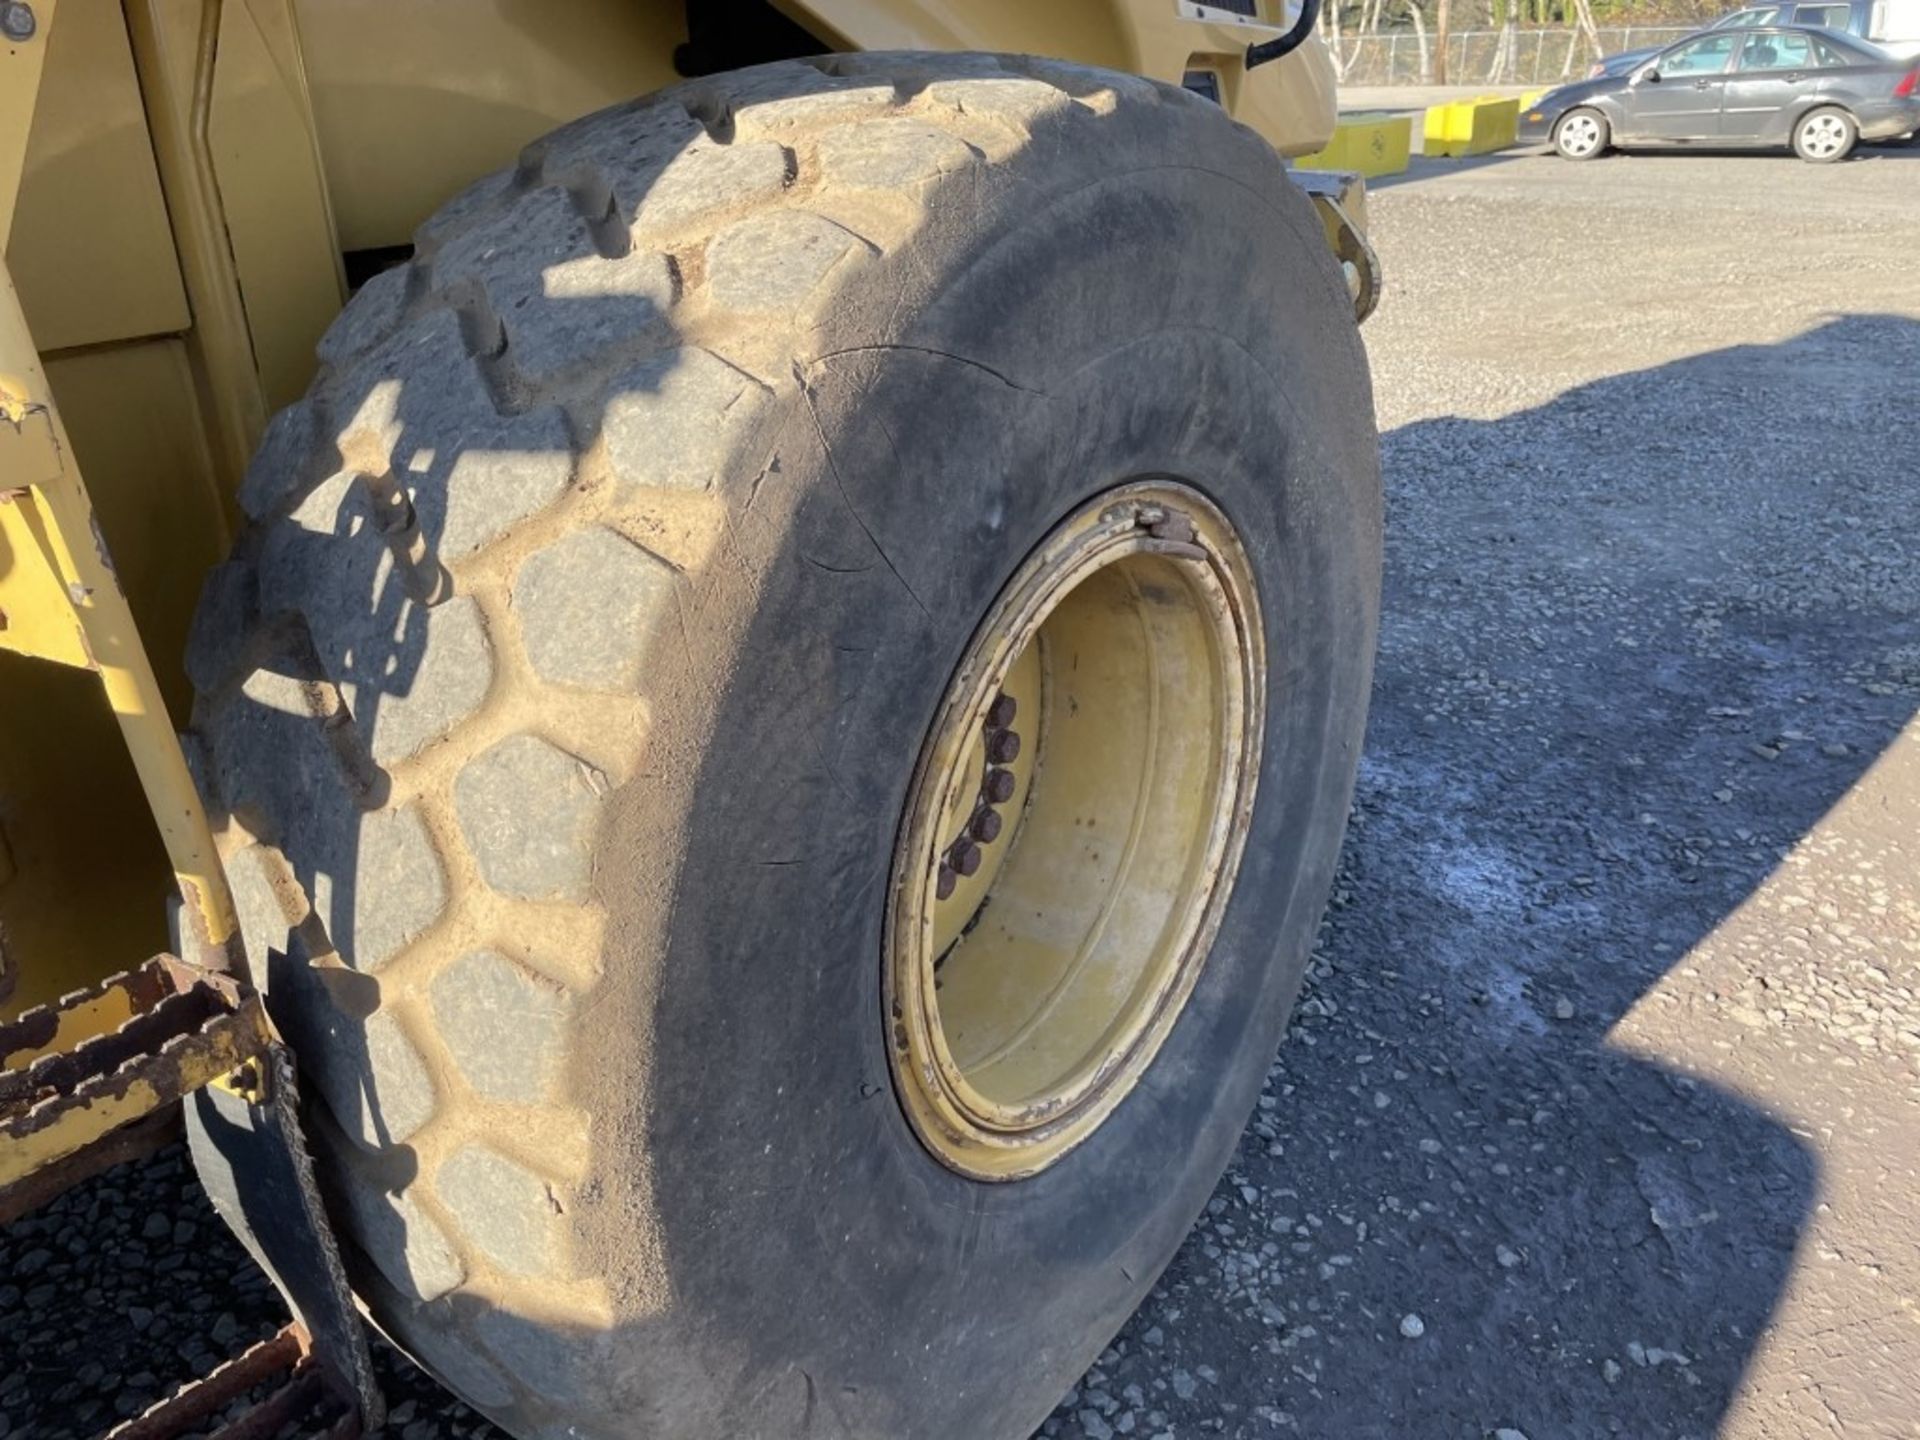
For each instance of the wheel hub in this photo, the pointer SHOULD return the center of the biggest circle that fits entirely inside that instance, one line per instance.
(1073, 830)
(1580, 134)
(1824, 134)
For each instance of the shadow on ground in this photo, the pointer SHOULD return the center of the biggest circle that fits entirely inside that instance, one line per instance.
(1622, 673)
(1422, 167)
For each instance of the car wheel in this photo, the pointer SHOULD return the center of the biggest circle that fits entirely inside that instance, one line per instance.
(1825, 135)
(1581, 134)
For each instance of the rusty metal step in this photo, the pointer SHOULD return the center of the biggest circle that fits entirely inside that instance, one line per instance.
(64, 1111)
(303, 1395)
(99, 1076)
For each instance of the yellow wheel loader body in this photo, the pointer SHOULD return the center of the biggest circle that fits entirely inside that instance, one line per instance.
(184, 187)
(190, 191)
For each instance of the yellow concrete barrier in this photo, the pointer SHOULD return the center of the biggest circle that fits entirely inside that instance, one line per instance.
(1471, 127)
(1371, 144)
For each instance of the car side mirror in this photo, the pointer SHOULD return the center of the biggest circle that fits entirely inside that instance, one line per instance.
(1650, 75)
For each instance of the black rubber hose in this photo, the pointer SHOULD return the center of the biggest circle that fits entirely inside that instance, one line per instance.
(1291, 41)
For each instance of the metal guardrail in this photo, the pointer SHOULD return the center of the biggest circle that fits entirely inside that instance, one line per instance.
(1489, 57)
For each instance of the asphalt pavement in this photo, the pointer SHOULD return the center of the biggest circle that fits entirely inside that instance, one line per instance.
(1600, 1115)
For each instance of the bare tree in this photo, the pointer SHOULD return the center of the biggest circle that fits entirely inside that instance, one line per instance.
(1583, 16)
(1503, 47)
(1330, 22)
(1420, 40)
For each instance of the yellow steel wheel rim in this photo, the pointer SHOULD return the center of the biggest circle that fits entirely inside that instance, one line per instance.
(1055, 893)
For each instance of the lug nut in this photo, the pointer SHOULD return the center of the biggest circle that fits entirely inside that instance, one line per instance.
(999, 787)
(1000, 714)
(986, 826)
(1175, 525)
(964, 857)
(945, 881)
(1002, 746)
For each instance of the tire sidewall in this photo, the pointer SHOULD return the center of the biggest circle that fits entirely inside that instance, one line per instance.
(1846, 150)
(1559, 131)
(801, 1221)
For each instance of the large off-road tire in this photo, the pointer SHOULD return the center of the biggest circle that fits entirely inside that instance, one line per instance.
(567, 690)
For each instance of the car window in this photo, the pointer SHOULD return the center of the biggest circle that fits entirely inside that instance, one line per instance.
(1705, 56)
(1744, 19)
(1832, 55)
(1778, 51)
(1834, 17)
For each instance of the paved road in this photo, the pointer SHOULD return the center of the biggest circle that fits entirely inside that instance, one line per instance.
(1601, 1115)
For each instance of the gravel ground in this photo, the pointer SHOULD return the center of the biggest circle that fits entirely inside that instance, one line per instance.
(1601, 1114)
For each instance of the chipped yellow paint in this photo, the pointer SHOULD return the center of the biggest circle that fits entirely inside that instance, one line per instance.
(100, 1015)
(27, 1154)
(229, 1044)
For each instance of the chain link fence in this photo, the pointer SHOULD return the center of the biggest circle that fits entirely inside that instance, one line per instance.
(1489, 57)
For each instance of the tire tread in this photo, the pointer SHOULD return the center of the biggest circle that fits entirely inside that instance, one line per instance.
(461, 393)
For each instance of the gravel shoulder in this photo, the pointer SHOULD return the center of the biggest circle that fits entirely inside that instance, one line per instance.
(1601, 1113)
